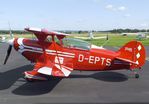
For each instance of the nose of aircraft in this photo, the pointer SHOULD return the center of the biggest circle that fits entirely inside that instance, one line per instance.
(11, 41)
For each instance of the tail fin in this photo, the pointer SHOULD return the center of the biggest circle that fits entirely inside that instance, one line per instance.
(134, 53)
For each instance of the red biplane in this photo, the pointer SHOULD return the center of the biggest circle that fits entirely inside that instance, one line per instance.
(55, 55)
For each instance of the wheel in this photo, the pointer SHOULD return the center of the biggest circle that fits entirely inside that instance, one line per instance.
(136, 75)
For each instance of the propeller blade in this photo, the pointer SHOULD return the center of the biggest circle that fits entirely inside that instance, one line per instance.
(8, 53)
(10, 31)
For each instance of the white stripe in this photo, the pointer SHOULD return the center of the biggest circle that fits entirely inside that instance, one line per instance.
(40, 50)
(35, 29)
(50, 50)
(60, 55)
(58, 66)
(138, 55)
(65, 71)
(139, 47)
(45, 70)
(59, 52)
(23, 50)
(137, 62)
(66, 53)
(20, 42)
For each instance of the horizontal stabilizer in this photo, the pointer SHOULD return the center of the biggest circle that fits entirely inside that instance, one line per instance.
(126, 60)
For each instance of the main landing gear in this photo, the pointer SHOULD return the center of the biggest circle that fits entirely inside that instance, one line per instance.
(31, 77)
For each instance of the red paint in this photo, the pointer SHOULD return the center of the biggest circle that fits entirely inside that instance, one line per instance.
(44, 54)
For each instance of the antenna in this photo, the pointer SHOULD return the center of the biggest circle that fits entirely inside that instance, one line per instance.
(107, 40)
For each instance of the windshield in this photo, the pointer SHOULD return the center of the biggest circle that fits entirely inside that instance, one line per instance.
(76, 43)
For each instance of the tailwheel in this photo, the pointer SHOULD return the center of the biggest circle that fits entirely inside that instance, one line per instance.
(137, 76)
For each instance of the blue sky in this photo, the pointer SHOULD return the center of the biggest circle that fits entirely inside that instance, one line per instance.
(74, 14)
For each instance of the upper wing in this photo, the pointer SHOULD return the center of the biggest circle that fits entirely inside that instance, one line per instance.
(42, 34)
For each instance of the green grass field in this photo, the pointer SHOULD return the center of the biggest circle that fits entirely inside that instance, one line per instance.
(114, 39)
(117, 41)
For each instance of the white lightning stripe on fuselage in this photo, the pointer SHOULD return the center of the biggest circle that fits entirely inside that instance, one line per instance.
(65, 53)
(20, 42)
(50, 51)
(24, 50)
(40, 50)
(21, 51)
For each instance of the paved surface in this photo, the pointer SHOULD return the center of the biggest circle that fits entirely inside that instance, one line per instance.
(81, 87)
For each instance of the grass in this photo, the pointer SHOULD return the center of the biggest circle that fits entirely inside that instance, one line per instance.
(20, 36)
(114, 39)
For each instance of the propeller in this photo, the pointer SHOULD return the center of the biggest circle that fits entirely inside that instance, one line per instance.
(10, 45)
(8, 53)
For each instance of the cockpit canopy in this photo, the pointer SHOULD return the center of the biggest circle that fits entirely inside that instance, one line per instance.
(76, 43)
(71, 43)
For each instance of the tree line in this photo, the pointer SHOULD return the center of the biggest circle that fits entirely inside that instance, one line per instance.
(14, 32)
(128, 30)
(80, 31)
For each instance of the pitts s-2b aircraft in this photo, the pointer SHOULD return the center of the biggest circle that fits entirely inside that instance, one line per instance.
(55, 55)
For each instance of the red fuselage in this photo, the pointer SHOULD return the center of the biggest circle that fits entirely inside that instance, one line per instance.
(98, 59)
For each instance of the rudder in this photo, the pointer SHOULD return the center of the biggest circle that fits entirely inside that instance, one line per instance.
(133, 51)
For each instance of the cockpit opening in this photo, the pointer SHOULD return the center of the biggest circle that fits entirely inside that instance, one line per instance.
(76, 43)
(71, 43)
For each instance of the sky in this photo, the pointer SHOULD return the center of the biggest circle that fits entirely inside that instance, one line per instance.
(74, 14)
